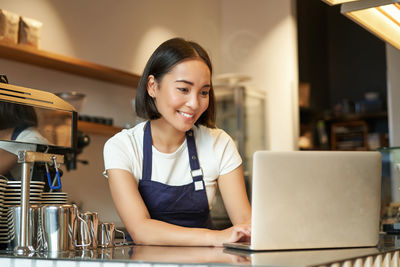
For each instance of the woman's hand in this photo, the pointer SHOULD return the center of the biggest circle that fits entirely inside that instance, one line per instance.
(239, 232)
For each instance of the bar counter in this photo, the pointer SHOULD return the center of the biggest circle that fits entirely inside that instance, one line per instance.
(387, 253)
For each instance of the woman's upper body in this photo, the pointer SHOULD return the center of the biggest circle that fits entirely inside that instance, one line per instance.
(216, 152)
(175, 93)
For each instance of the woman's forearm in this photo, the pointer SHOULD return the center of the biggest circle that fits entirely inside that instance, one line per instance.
(154, 232)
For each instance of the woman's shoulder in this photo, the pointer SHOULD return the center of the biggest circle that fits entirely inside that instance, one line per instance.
(127, 135)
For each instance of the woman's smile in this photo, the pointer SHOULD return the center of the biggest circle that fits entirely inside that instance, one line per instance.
(186, 115)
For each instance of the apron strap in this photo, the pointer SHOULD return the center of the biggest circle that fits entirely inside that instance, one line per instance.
(147, 153)
(196, 171)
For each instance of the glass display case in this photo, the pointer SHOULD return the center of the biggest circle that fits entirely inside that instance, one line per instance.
(241, 113)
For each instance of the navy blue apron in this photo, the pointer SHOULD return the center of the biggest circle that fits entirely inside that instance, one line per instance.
(184, 205)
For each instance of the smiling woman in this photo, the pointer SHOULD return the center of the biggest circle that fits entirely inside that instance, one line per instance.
(183, 93)
(163, 173)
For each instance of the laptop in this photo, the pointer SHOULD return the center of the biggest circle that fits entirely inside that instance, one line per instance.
(314, 199)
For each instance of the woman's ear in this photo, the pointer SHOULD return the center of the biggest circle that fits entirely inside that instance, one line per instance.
(151, 86)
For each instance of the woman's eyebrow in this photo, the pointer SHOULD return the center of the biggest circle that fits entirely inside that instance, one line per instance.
(190, 83)
(184, 81)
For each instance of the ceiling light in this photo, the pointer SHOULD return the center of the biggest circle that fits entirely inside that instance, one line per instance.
(380, 17)
(335, 2)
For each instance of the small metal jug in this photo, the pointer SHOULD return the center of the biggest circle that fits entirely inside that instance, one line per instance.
(87, 230)
(106, 235)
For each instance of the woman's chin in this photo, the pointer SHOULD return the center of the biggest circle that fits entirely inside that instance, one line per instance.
(184, 127)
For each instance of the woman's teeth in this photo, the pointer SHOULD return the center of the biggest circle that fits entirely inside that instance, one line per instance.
(185, 114)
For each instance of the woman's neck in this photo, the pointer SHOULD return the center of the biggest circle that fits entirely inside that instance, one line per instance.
(165, 138)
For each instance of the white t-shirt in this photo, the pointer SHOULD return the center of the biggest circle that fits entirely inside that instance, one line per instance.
(216, 151)
(27, 140)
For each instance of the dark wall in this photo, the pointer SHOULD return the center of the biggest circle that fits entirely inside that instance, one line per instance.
(313, 50)
(339, 58)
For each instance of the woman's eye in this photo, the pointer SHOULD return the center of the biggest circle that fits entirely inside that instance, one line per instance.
(182, 89)
(204, 93)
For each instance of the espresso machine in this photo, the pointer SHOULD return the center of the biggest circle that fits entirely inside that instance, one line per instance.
(54, 124)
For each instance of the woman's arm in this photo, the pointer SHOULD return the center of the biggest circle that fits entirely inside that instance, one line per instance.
(144, 230)
(233, 191)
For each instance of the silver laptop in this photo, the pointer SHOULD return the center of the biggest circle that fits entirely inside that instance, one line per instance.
(314, 199)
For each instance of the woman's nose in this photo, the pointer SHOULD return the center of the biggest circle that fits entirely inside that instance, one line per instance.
(193, 101)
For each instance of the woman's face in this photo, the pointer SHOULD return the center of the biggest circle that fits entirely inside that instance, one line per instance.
(183, 94)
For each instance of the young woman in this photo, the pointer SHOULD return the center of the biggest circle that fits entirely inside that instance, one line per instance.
(163, 172)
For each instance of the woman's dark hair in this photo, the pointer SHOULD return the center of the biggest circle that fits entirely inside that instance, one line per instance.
(15, 115)
(164, 58)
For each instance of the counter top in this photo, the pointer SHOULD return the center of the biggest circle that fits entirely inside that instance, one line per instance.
(387, 251)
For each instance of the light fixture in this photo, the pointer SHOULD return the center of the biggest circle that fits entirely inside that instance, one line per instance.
(380, 17)
(335, 2)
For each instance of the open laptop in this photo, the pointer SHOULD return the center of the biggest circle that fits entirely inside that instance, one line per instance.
(314, 199)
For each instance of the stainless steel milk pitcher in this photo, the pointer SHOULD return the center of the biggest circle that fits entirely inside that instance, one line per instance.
(106, 235)
(58, 227)
(90, 221)
(56, 222)
(33, 230)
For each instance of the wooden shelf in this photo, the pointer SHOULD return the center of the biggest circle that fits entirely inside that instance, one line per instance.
(30, 55)
(97, 128)
(349, 135)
